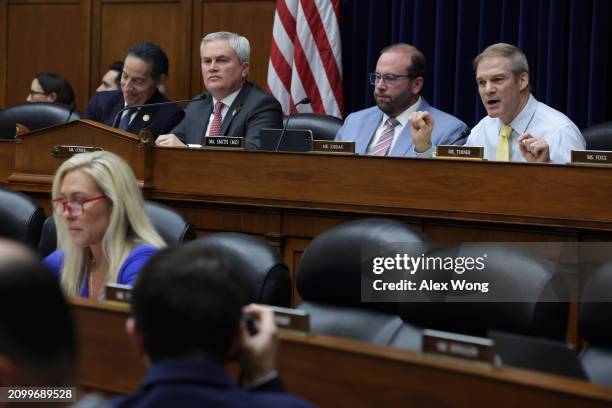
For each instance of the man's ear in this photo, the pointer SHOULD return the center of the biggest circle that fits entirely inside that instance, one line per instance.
(523, 81)
(135, 336)
(8, 371)
(417, 85)
(52, 97)
(245, 70)
(161, 80)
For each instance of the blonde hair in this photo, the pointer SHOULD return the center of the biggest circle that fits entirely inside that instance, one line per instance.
(518, 60)
(128, 224)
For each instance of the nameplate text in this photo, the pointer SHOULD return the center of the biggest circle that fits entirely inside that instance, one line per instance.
(329, 146)
(61, 151)
(460, 152)
(476, 349)
(225, 142)
(592, 157)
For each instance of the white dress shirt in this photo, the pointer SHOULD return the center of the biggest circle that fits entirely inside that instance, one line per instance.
(538, 119)
(227, 102)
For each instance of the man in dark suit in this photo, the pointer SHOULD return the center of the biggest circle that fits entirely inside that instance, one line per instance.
(144, 69)
(232, 106)
(187, 307)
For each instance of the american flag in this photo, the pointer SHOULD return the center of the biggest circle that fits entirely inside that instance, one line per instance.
(306, 56)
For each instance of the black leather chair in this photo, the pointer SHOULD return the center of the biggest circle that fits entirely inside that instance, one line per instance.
(334, 270)
(324, 127)
(266, 277)
(21, 218)
(513, 274)
(595, 326)
(173, 227)
(598, 137)
(34, 116)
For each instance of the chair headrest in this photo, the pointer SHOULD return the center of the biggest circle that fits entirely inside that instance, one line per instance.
(599, 136)
(266, 277)
(331, 267)
(513, 274)
(36, 115)
(595, 315)
(173, 226)
(21, 218)
(324, 127)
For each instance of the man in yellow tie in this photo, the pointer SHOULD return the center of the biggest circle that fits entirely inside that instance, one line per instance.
(518, 127)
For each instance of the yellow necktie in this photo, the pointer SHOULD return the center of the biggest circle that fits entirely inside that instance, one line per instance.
(503, 147)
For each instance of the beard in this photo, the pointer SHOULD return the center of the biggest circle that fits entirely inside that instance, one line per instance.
(393, 106)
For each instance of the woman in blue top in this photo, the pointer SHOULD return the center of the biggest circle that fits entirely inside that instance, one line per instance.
(103, 232)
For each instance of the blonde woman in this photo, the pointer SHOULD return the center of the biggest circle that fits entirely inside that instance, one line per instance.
(103, 232)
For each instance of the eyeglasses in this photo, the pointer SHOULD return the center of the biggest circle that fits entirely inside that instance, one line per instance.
(74, 208)
(388, 79)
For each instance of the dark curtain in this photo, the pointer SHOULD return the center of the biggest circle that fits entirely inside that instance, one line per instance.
(567, 43)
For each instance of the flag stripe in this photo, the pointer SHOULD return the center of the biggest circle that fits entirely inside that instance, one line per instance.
(325, 50)
(305, 56)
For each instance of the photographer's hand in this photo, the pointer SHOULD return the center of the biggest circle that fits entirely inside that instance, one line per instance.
(258, 351)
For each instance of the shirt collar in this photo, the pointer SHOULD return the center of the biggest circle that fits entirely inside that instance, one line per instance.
(228, 100)
(402, 118)
(521, 122)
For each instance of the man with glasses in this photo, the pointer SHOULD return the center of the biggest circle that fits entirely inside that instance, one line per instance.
(383, 130)
(144, 69)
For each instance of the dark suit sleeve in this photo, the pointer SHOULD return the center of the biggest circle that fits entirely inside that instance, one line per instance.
(267, 114)
(180, 129)
(92, 111)
(175, 120)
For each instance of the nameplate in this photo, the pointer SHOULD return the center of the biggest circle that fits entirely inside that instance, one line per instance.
(226, 142)
(291, 319)
(460, 152)
(592, 157)
(117, 292)
(471, 348)
(329, 146)
(61, 151)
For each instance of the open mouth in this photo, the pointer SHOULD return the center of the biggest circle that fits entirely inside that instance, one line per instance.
(492, 103)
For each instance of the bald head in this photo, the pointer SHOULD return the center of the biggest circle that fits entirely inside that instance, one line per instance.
(414, 59)
(13, 251)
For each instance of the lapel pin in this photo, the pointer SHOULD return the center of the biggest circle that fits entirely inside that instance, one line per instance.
(146, 118)
(234, 112)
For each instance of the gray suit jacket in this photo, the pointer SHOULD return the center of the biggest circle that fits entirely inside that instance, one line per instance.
(252, 110)
(360, 127)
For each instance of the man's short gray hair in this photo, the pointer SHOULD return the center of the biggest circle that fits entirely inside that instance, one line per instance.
(239, 44)
(518, 60)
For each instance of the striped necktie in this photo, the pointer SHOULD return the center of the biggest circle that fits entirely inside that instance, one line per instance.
(503, 146)
(215, 126)
(386, 139)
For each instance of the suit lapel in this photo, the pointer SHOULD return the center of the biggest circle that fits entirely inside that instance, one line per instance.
(235, 108)
(365, 135)
(404, 143)
(206, 109)
(117, 106)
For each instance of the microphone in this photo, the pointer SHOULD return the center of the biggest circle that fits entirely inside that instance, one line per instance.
(302, 101)
(147, 105)
(463, 135)
(71, 111)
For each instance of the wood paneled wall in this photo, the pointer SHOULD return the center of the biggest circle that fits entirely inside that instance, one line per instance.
(80, 38)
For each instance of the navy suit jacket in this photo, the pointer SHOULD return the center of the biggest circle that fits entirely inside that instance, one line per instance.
(252, 110)
(105, 105)
(360, 127)
(194, 383)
